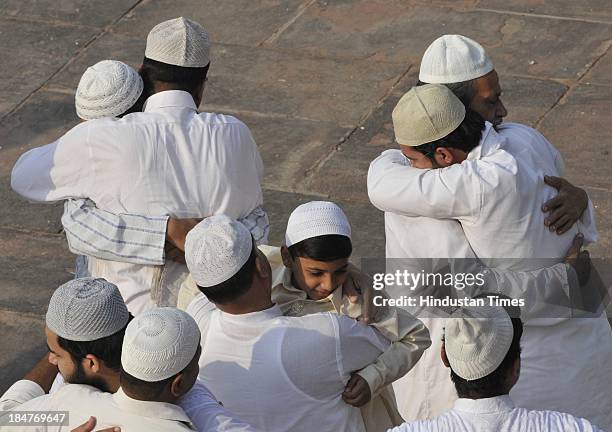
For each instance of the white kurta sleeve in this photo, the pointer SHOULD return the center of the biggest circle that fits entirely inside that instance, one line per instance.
(546, 292)
(56, 171)
(447, 193)
(409, 337)
(136, 239)
(19, 393)
(358, 345)
(207, 414)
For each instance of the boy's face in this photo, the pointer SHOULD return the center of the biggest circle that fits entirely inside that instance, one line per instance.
(318, 279)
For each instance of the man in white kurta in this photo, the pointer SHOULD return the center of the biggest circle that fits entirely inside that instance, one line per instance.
(167, 160)
(278, 373)
(496, 194)
(479, 343)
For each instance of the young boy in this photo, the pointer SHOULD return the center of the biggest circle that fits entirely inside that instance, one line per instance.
(311, 273)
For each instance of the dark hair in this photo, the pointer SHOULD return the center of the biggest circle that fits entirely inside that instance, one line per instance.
(184, 78)
(235, 286)
(327, 247)
(466, 137)
(107, 349)
(138, 105)
(464, 90)
(144, 390)
(494, 384)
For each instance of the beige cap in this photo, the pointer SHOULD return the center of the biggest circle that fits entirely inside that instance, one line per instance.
(425, 114)
(477, 339)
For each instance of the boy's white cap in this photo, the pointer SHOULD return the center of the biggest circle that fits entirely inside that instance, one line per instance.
(316, 218)
(454, 59)
(180, 42)
(107, 89)
(477, 339)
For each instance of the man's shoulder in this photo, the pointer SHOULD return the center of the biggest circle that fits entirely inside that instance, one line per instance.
(554, 419)
(221, 120)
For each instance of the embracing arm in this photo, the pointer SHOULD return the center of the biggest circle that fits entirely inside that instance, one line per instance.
(447, 193)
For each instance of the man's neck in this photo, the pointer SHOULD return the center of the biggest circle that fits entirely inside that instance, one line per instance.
(246, 305)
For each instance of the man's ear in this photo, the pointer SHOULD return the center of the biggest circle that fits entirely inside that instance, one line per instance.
(444, 156)
(286, 256)
(261, 268)
(443, 355)
(516, 369)
(177, 386)
(92, 363)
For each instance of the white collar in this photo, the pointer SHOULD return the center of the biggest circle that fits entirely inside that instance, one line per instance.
(156, 410)
(490, 140)
(169, 98)
(253, 317)
(485, 406)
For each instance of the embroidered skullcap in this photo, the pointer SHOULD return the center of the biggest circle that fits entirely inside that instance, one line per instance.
(107, 89)
(180, 42)
(316, 218)
(216, 249)
(425, 114)
(477, 339)
(454, 59)
(86, 309)
(159, 343)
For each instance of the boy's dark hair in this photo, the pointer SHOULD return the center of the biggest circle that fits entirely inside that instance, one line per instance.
(466, 137)
(464, 90)
(184, 78)
(107, 349)
(144, 390)
(325, 248)
(235, 286)
(138, 105)
(495, 383)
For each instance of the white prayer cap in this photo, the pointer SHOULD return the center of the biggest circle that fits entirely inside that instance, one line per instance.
(86, 309)
(477, 339)
(453, 59)
(179, 42)
(159, 343)
(216, 249)
(425, 114)
(107, 89)
(316, 218)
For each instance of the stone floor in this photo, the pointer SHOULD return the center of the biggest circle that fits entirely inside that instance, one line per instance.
(315, 81)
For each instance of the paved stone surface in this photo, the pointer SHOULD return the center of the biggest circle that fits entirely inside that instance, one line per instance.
(315, 81)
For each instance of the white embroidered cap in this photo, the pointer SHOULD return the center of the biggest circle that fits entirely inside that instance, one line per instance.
(316, 218)
(86, 309)
(159, 343)
(107, 89)
(453, 59)
(477, 339)
(426, 113)
(180, 42)
(216, 249)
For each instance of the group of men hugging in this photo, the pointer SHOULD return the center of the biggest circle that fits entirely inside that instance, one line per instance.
(182, 317)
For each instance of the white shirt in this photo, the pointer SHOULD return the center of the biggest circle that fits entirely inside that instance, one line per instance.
(497, 414)
(497, 194)
(205, 412)
(167, 160)
(284, 373)
(83, 401)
